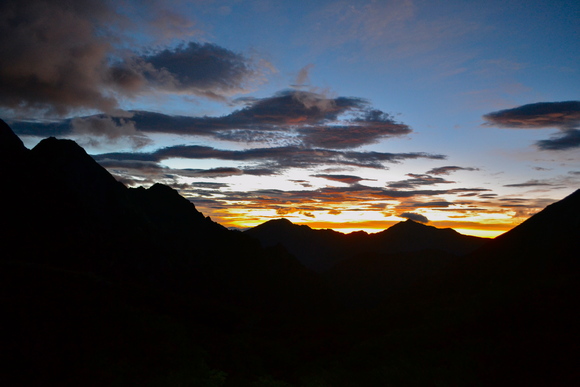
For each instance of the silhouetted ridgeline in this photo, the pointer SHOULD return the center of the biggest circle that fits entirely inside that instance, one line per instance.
(103, 285)
(320, 250)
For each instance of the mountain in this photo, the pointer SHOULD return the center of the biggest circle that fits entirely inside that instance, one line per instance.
(102, 285)
(509, 308)
(95, 275)
(316, 249)
(62, 208)
(410, 236)
(320, 250)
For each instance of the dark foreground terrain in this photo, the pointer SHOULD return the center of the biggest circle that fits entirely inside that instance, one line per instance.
(102, 285)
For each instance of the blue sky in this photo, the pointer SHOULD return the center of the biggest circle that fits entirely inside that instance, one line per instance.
(339, 114)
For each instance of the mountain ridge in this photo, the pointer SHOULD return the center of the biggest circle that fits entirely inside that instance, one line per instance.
(320, 250)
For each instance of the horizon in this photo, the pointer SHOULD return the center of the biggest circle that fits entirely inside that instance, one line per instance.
(336, 115)
(344, 229)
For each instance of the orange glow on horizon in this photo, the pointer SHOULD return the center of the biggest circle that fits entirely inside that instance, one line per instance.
(484, 230)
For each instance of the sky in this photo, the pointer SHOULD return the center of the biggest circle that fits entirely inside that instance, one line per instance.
(349, 115)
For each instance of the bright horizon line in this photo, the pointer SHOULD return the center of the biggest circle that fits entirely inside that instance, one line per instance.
(484, 231)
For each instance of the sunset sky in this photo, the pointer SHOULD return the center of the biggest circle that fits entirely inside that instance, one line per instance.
(350, 115)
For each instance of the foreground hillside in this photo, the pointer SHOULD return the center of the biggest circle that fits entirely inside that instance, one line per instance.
(102, 285)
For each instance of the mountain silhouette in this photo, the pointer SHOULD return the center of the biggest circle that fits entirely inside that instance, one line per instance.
(316, 249)
(102, 285)
(84, 257)
(320, 250)
(511, 302)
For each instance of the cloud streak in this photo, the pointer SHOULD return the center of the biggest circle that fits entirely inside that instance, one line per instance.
(296, 117)
(448, 170)
(561, 115)
(279, 158)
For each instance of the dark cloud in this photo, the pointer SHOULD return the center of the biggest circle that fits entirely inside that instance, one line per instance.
(60, 56)
(565, 115)
(291, 117)
(205, 70)
(216, 172)
(530, 183)
(347, 179)
(562, 115)
(416, 217)
(273, 158)
(52, 56)
(568, 139)
(429, 204)
(418, 180)
(317, 119)
(448, 169)
(138, 165)
(209, 185)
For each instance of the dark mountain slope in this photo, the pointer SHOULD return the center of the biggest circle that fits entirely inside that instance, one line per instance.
(316, 249)
(102, 284)
(62, 208)
(368, 279)
(510, 308)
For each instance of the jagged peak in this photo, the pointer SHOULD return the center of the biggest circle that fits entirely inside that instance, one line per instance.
(52, 145)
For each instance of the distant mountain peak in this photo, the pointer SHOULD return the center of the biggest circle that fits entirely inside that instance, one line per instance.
(280, 221)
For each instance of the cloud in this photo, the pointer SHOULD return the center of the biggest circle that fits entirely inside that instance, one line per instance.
(63, 56)
(442, 203)
(217, 172)
(112, 130)
(569, 139)
(275, 158)
(449, 169)
(562, 115)
(529, 183)
(413, 216)
(347, 179)
(205, 70)
(209, 185)
(418, 180)
(303, 77)
(290, 117)
(54, 58)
